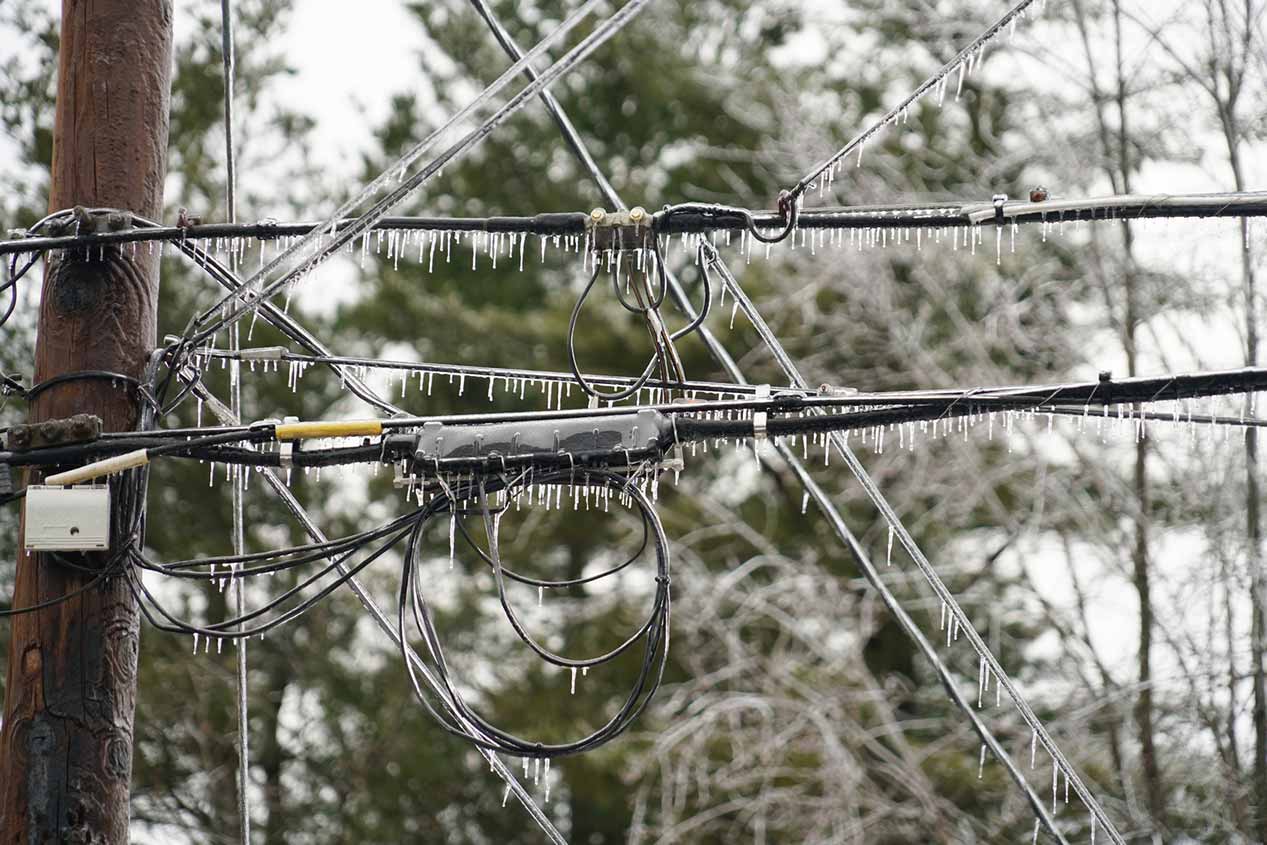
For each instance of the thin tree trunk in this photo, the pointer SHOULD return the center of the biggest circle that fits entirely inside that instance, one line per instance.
(1144, 707)
(1253, 518)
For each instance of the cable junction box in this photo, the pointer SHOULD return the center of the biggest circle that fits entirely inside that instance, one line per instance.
(67, 519)
(609, 440)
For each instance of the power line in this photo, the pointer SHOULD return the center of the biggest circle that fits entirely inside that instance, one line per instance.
(794, 406)
(381, 619)
(319, 245)
(963, 61)
(693, 218)
(958, 618)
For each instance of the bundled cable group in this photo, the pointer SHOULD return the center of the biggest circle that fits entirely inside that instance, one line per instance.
(478, 496)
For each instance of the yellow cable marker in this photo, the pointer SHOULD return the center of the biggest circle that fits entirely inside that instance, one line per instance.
(336, 428)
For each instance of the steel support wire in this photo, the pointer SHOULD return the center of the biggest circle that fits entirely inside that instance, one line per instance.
(227, 417)
(284, 323)
(573, 140)
(958, 617)
(238, 479)
(821, 499)
(961, 60)
(507, 374)
(328, 240)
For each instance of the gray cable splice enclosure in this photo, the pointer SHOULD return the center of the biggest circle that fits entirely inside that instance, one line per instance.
(627, 432)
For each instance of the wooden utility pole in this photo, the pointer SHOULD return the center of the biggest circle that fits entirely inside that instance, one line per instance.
(66, 744)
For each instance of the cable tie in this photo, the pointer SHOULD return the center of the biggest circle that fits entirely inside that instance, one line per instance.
(760, 418)
(286, 448)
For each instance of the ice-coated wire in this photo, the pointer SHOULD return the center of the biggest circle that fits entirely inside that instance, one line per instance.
(235, 402)
(956, 612)
(824, 503)
(329, 239)
(286, 324)
(962, 213)
(655, 633)
(927, 85)
(226, 416)
(397, 168)
(511, 374)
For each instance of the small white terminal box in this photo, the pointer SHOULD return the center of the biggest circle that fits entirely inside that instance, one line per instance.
(67, 519)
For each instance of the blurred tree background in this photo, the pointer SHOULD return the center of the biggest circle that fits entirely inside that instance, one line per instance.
(794, 708)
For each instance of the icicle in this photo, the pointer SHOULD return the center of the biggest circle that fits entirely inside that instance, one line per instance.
(981, 765)
(804, 502)
(573, 680)
(453, 524)
(889, 554)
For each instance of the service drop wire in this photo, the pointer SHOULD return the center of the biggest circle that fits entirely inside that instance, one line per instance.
(413, 605)
(393, 173)
(961, 60)
(283, 322)
(328, 239)
(222, 275)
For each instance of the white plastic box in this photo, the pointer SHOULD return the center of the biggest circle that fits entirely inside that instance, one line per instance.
(67, 519)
